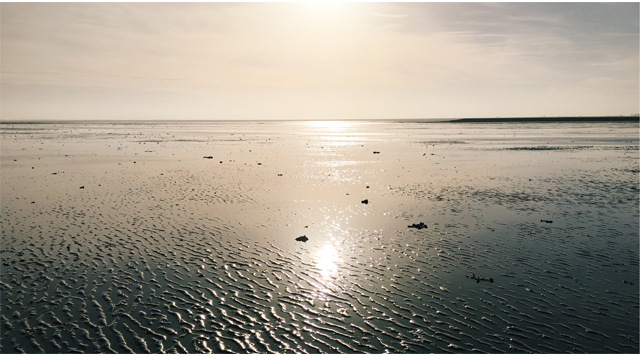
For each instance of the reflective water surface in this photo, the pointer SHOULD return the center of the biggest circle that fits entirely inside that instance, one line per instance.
(181, 237)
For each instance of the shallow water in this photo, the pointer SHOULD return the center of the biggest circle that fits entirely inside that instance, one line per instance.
(123, 238)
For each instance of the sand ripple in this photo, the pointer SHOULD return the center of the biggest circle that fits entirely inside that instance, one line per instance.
(164, 251)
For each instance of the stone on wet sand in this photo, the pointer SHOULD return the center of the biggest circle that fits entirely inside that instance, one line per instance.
(478, 278)
(419, 226)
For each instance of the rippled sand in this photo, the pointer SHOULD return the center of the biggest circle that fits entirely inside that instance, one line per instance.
(124, 238)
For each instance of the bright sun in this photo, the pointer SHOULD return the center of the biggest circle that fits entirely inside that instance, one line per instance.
(328, 14)
(326, 8)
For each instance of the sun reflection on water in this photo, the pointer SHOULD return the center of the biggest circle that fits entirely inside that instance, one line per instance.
(331, 126)
(327, 261)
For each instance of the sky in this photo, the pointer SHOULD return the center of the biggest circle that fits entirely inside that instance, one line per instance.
(309, 61)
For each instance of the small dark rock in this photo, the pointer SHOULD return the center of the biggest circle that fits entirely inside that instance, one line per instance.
(478, 278)
(302, 238)
(418, 226)
(376, 152)
(366, 201)
(547, 221)
(82, 187)
(208, 157)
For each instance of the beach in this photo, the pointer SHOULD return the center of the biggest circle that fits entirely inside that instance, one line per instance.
(421, 237)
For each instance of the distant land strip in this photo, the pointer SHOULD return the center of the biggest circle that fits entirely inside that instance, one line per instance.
(631, 118)
(634, 118)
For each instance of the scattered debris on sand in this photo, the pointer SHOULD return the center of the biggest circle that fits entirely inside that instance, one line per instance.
(302, 238)
(418, 226)
(478, 278)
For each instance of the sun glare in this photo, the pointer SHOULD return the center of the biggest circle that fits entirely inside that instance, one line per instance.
(328, 8)
(329, 18)
(326, 261)
(332, 126)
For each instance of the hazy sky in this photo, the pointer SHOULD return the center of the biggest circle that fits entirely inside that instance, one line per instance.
(123, 61)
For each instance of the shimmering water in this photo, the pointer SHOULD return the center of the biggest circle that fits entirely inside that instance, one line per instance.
(123, 238)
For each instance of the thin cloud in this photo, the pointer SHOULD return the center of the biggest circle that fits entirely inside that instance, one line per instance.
(287, 58)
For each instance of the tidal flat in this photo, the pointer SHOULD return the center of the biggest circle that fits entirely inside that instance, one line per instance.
(184, 237)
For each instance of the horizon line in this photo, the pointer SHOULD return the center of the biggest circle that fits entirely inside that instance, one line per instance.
(634, 117)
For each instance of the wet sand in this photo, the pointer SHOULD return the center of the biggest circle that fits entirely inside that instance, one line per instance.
(123, 237)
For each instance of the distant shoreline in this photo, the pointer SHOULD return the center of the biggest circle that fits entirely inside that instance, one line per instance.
(553, 119)
(441, 120)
